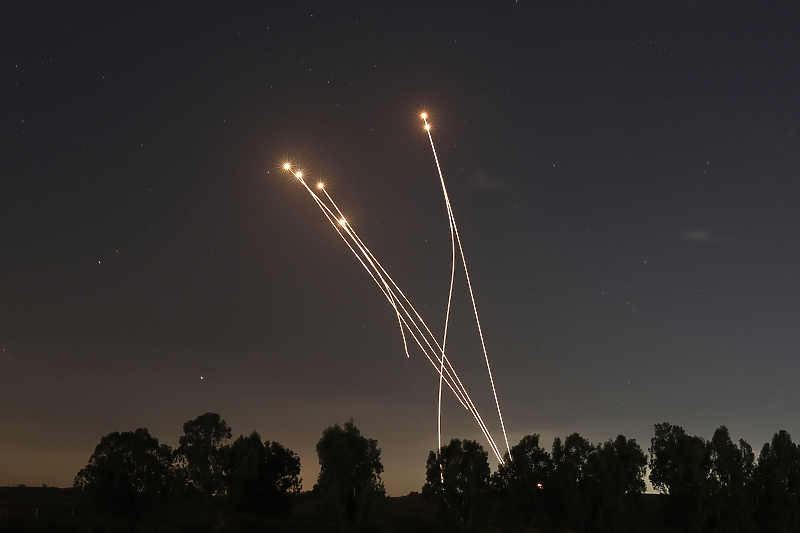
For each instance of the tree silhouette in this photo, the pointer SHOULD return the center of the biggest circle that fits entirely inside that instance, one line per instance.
(777, 483)
(615, 476)
(128, 474)
(261, 478)
(349, 485)
(458, 480)
(199, 460)
(521, 481)
(681, 466)
(567, 488)
(731, 506)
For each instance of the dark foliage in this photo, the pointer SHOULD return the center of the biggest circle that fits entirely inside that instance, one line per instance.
(261, 478)
(349, 487)
(458, 480)
(131, 477)
(713, 486)
(777, 485)
(717, 487)
(681, 466)
(199, 458)
(615, 484)
(567, 490)
(731, 498)
(128, 474)
(521, 480)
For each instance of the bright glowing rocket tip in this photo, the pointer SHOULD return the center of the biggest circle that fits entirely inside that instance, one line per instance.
(299, 175)
(287, 166)
(427, 127)
(424, 116)
(342, 222)
(320, 186)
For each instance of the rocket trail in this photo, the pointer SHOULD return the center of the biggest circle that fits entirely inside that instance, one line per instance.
(415, 325)
(412, 326)
(454, 231)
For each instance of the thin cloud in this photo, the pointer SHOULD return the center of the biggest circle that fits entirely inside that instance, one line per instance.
(704, 236)
(484, 181)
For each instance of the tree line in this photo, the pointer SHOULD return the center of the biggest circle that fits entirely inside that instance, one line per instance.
(131, 475)
(577, 485)
(719, 486)
(716, 486)
(209, 476)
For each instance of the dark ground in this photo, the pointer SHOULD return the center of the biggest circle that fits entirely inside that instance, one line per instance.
(53, 509)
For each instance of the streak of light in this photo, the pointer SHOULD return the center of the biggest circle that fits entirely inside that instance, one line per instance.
(454, 231)
(451, 222)
(409, 320)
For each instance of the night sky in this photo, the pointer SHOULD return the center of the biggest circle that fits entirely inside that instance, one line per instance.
(625, 180)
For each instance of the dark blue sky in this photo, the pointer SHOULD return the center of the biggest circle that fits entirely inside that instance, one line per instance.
(624, 179)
